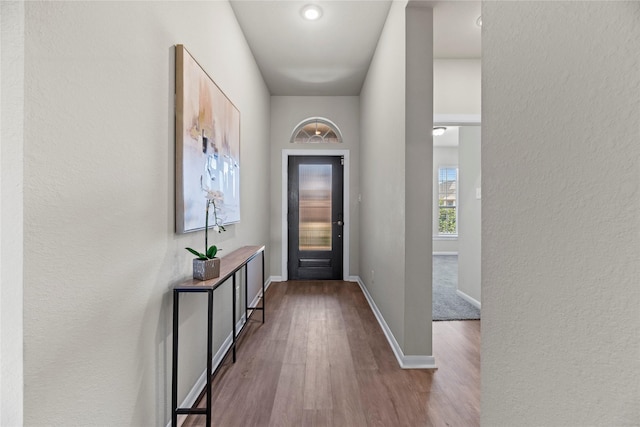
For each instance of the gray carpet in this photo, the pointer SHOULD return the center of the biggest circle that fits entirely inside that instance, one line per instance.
(447, 305)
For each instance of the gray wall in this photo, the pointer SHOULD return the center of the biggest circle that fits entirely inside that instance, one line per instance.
(382, 178)
(286, 113)
(11, 211)
(456, 86)
(560, 213)
(469, 226)
(418, 157)
(396, 210)
(100, 250)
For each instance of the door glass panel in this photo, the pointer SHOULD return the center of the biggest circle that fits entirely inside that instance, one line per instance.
(314, 187)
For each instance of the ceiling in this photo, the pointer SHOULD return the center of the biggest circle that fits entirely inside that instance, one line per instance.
(331, 56)
(447, 139)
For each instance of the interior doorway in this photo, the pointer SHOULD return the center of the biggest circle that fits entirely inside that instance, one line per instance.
(457, 222)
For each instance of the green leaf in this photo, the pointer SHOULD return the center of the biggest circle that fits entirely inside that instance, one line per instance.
(211, 252)
(196, 253)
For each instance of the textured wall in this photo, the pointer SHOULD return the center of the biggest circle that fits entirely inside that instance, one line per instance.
(11, 211)
(560, 213)
(100, 250)
(286, 113)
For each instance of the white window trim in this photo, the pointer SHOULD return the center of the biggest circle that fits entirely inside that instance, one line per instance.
(322, 120)
(445, 237)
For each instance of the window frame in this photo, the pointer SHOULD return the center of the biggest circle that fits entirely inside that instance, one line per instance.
(441, 235)
(318, 120)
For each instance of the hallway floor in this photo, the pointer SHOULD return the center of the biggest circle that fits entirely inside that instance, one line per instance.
(321, 359)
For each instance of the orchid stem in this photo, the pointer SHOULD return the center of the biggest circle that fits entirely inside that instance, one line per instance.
(206, 229)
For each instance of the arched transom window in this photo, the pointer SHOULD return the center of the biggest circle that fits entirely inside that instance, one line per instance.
(316, 130)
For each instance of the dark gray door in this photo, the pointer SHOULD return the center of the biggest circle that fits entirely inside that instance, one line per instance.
(315, 218)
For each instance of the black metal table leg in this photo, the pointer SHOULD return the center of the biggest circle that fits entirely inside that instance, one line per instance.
(264, 297)
(174, 378)
(209, 354)
(233, 292)
(246, 293)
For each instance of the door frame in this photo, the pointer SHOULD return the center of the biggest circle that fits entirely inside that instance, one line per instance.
(285, 207)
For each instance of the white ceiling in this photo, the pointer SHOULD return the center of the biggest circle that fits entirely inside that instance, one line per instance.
(331, 56)
(448, 139)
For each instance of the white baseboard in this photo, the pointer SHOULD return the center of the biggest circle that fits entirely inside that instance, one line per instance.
(405, 362)
(201, 383)
(272, 279)
(445, 253)
(418, 362)
(474, 302)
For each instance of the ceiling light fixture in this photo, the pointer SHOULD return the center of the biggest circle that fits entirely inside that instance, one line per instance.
(439, 130)
(311, 12)
(479, 21)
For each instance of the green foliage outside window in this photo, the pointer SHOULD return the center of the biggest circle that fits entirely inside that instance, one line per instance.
(447, 220)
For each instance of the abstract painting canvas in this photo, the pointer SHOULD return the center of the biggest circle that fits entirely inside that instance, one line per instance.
(207, 148)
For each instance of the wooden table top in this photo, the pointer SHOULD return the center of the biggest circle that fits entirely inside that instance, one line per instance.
(229, 264)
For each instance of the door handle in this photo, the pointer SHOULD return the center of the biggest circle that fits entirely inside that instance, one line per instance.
(339, 222)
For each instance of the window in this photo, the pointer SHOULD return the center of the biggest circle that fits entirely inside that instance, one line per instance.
(316, 130)
(448, 200)
(314, 184)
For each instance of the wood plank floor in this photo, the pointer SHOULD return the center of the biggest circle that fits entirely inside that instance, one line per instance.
(321, 359)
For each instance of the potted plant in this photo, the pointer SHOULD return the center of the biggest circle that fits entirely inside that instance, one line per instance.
(207, 266)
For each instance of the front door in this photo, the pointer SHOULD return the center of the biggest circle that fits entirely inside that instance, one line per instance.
(315, 217)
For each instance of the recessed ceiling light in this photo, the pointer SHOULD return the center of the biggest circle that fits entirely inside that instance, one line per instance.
(479, 21)
(439, 130)
(311, 12)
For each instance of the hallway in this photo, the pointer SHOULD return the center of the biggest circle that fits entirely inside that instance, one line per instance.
(321, 359)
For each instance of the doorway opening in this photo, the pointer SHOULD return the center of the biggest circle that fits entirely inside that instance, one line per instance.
(457, 222)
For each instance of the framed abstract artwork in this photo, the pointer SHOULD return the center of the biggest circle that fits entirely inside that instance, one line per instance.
(207, 147)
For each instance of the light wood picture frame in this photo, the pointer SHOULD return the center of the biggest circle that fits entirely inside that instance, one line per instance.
(207, 138)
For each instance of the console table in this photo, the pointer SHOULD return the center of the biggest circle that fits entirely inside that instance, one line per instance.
(229, 266)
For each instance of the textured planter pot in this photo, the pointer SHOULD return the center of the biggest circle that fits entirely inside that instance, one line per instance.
(205, 269)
